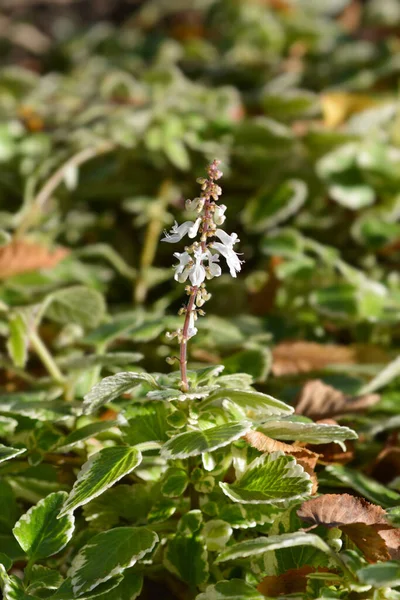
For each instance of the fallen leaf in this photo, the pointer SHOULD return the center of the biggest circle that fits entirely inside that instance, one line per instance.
(293, 581)
(21, 256)
(333, 453)
(317, 399)
(368, 540)
(364, 523)
(304, 457)
(292, 357)
(337, 107)
(387, 465)
(350, 19)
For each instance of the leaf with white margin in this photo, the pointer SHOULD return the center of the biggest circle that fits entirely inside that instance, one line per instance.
(193, 443)
(109, 388)
(99, 473)
(270, 478)
(102, 591)
(12, 587)
(381, 575)
(84, 433)
(312, 433)
(257, 546)
(43, 578)
(235, 589)
(253, 405)
(40, 532)
(186, 557)
(108, 554)
(6, 452)
(216, 534)
(129, 588)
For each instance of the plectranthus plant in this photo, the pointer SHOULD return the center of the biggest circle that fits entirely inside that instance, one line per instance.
(200, 260)
(187, 485)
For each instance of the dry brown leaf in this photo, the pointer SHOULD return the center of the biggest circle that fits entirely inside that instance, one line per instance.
(387, 465)
(368, 540)
(350, 19)
(21, 256)
(337, 107)
(317, 399)
(291, 357)
(363, 522)
(333, 510)
(333, 453)
(293, 581)
(306, 458)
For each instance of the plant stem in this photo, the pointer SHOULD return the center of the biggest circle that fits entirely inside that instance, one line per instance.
(183, 348)
(153, 232)
(28, 570)
(46, 358)
(190, 305)
(51, 184)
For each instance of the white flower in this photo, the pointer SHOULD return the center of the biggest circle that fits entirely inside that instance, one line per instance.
(178, 231)
(226, 249)
(219, 214)
(213, 270)
(190, 266)
(198, 273)
(226, 239)
(192, 330)
(194, 228)
(183, 268)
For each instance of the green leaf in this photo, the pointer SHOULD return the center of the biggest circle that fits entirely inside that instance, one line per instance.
(108, 253)
(102, 591)
(130, 503)
(367, 487)
(235, 589)
(13, 548)
(100, 472)
(186, 557)
(129, 588)
(34, 405)
(193, 443)
(18, 341)
(7, 426)
(269, 208)
(254, 405)
(108, 554)
(85, 432)
(270, 478)
(175, 482)
(254, 361)
(216, 534)
(312, 433)
(40, 532)
(381, 575)
(146, 423)
(9, 511)
(6, 452)
(388, 374)
(110, 388)
(78, 304)
(110, 359)
(256, 546)
(289, 104)
(176, 152)
(43, 578)
(12, 587)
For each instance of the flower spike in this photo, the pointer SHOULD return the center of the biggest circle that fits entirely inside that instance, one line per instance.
(200, 261)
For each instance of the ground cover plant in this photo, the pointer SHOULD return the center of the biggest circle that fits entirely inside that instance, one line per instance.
(148, 449)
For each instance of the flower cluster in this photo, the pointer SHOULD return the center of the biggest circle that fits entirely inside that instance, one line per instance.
(200, 260)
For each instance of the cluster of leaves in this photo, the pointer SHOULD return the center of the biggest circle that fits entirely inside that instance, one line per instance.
(123, 487)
